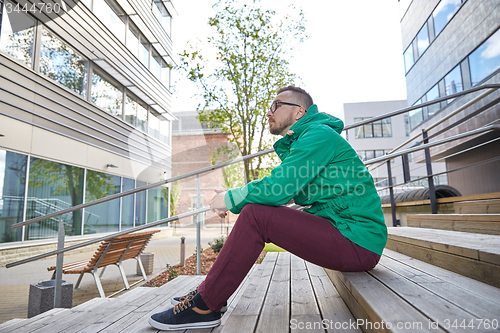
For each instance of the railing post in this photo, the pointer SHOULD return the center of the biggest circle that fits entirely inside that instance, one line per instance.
(406, 168)
(430, 179)
(395, 222)
(183, 251)
(59, 265)
(198, 232)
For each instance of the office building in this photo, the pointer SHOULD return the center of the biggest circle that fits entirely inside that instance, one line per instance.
(451, 46)
(379, 138)
(85, 111)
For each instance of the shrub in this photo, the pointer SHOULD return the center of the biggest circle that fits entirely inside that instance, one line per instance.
(217, 244)
(172, 272)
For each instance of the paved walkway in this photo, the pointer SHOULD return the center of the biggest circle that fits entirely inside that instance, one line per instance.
(15, 282)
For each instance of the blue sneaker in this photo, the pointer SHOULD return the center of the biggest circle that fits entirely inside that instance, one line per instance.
(179, 299)
(189, 314)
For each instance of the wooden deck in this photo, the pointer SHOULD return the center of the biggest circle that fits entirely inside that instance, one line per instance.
(283, 294)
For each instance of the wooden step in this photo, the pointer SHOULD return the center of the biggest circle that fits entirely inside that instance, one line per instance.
(476, 223)
(473, 255)
(403, 294)
(477, 207)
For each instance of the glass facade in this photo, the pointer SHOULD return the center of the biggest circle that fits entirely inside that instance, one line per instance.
(157, 204)
(128, 204)
(485, 60)
(377, 129)
(106, 94)
(422, 40)
(62, 64)
(162, 15)
(104, 217)
(438, 19)
(53, 186)
(142, 116)
(133, 38)
(453, 82)
(154, 125)
(12, 194)
(408, 57)
(443, 13)
(432, 95)
(112, 16)
(15, 42)
(140, 205)
(415, 116)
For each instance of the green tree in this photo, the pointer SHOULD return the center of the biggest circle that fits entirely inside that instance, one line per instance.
(253, 46)
(175, 195)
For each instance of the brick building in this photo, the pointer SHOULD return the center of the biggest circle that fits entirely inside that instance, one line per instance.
(193, 143)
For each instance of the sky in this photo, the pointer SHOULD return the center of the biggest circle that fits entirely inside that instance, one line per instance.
(353, 53)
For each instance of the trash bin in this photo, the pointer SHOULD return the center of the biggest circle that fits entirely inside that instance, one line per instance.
(147, 259)
(41, 297)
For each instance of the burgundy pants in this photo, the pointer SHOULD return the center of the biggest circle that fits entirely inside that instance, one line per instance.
(309, 237)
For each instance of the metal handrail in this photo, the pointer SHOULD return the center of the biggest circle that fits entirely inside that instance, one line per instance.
(204, 209)
(100, 239)
(460, 109)
(415, 107)
(240, 159)
(387, 157)
(142, 188)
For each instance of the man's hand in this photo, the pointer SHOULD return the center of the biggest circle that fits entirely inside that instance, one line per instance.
(217, 204)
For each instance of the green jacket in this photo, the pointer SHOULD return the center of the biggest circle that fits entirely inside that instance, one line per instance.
(319, 168)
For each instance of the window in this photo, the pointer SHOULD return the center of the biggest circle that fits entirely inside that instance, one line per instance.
(377, 129)
(104, 217)
(154, 125)
(157, 204)
(162, 16)
(415, 116)
(164, 130)
(112, 16)
(453, 82)
(165, 73)
(407, 125)
(131, 109)
(133, 38)
(18, 40)
(12, 190)
(144, 52)
(127, 204)
(443, 13)
(156, 61)
(59, 62)
(408, 55)
(432, 95)
(485, 60)
(383, 181)
(106, 94)
(366, 155)
(422, 40)
(140, 205)
(142, 116)
(53, 186)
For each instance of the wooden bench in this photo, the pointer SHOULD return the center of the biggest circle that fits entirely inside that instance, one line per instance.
(111, 252)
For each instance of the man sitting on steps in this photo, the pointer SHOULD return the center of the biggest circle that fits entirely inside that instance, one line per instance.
(343, 229)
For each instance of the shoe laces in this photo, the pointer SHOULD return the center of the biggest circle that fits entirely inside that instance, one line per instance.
(186, 303)
(191, 293)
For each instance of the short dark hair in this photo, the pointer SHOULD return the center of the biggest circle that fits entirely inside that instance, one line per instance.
(305, 99)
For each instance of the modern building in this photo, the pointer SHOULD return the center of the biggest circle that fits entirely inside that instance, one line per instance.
(451, 46)
(378, 138)
(194, 147)
(85, 111)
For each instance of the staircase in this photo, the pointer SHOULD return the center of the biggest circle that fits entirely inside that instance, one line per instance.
(439, 274)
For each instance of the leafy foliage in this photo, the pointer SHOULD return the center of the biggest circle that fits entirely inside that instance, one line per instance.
(253, 46)
(218, 243)
(172, 273)
(175, 195)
